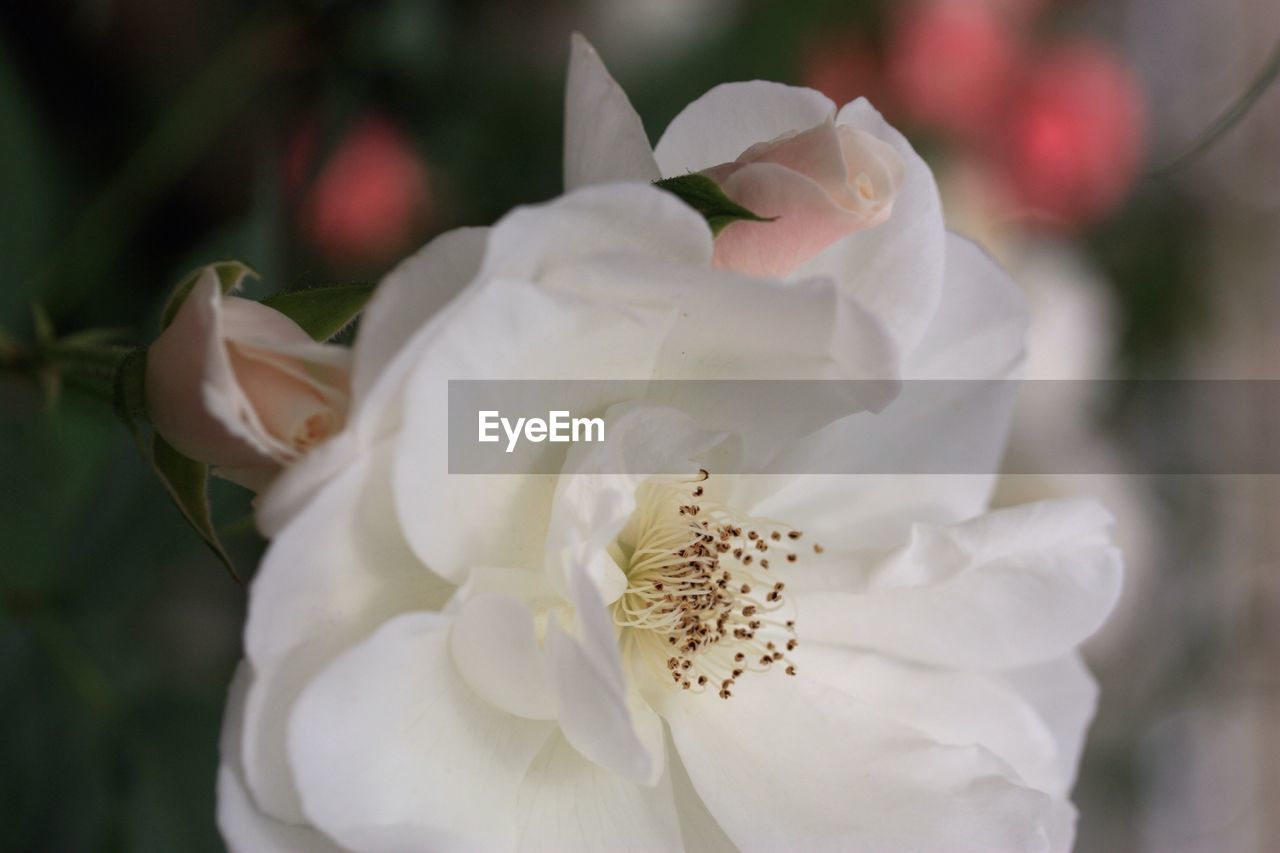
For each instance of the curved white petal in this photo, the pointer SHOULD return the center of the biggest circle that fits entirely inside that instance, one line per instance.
(699, 830)
(568, 804)
(405, 300)
(1011, 588)
(730, 326)
(604, 220)
(979, 330)
(401, 316)
(934, 450)
(458, 521)
(393, 752)
(953, 707)
(333, 575)
(245, 828)
(495, 647)
(604, 139)
(896, 268)
(1065, 695)
(788, 764)
(600, 714)
(732, 117)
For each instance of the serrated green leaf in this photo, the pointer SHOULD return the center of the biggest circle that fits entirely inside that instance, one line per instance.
(231, 274)
(187, 482)
(129, 392)
(322, 312)
(705, 196)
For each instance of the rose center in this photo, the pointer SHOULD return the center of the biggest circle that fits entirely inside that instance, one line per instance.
(702, 593)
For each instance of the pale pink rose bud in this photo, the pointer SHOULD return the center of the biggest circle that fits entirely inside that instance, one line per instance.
(241, 386)
(819, 184)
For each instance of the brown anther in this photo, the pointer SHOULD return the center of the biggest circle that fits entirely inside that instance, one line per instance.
(791, 669)
(794, 534)
(775, 536)
(792, 643)
(818, 549)
(745, 588)
(791, 558)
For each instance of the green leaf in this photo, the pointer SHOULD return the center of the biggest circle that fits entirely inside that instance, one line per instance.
(187, 482)
(129, 392)
(322, 312)
(705, 196)
(231, 274)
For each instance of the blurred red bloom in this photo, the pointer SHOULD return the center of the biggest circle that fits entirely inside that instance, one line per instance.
(950, 63)
(369, 200)
(1075, 135)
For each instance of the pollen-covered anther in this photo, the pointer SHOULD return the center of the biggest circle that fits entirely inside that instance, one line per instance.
(678, 589)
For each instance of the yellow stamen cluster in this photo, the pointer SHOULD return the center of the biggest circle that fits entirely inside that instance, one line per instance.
(699, 587)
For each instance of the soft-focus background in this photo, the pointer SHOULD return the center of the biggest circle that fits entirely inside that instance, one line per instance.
(321, 140)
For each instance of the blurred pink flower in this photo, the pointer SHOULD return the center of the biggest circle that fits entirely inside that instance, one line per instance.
(950, 63)
(1076, 134)
(369, 200)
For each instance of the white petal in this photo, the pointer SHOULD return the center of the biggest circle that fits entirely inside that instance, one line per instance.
(495, 647)
(605, 220)
(393, 752)
(730, 326)
(732, 117)
(410, 296)
(788, 764)
(1065, 695)
(339, 570)
(404, 313)
(568, 804)
(979, 330)
(937, 446)
(699, 830)
(244, 828)
(952, 707)
(1023, 585)
(896, 268)
(600, 714)
(604, 139)
(513, 330)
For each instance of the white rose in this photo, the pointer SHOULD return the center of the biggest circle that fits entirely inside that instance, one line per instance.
(484, 662)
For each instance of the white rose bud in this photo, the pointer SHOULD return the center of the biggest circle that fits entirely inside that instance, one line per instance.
(241, 386)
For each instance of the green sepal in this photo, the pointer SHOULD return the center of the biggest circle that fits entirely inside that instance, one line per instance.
(231, 274)
(322, 312)
(705, 196)
(129, 393)
(187, 482)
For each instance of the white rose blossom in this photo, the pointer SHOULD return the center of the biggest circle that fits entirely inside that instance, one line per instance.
(623, 661)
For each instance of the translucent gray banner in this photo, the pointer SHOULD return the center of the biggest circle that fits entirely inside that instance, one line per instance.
(1159, 427)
